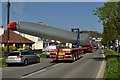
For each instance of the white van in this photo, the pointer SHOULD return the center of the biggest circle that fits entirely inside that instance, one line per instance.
(46, 50)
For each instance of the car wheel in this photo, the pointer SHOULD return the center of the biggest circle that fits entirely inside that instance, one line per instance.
(38, 60)
(25, 62)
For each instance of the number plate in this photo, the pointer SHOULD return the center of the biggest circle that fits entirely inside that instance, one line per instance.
(61, 53)
(12, 58)
(60, 56)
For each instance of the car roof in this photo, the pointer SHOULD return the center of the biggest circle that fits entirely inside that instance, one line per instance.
(20, 51)
(24, 50)
(15, 51)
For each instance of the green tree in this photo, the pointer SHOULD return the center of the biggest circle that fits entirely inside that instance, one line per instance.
(109, 15)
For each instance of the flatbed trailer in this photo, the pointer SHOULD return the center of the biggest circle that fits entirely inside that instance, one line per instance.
(67, 54)
(71, 54)
(64, 36)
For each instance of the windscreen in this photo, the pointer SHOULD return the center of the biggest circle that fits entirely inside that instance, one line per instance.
(50, 47)
(14, 54)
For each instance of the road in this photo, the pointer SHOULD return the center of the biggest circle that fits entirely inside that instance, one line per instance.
(19, 71)
(86, 67)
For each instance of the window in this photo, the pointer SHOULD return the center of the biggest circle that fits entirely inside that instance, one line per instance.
(30, 52)
(14, 54)
(25, 53)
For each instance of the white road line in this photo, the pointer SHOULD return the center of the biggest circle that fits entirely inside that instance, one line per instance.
(33, 73)
(102, 69)
(57, 64)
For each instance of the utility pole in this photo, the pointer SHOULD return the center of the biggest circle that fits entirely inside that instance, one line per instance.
(8, 19)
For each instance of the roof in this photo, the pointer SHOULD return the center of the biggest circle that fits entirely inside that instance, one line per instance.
(14, 38)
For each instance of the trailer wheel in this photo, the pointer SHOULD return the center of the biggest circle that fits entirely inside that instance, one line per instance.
(74, 58)
(78, 57)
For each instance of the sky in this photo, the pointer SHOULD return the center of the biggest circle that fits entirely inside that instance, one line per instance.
(59, 0)
(64, 15)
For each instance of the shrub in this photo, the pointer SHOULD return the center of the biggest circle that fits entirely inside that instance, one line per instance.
(2, 50)
(112, 66)
(11, 48)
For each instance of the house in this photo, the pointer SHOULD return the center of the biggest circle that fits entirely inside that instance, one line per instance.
(14, 39)
(38, 45)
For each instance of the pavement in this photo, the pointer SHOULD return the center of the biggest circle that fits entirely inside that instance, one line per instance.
(10, 72)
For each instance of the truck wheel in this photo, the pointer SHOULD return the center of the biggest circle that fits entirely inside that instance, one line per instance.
(78, 57)
(74, 58)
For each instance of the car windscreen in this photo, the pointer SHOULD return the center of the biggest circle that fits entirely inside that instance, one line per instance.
(14, 54)
(50, 47)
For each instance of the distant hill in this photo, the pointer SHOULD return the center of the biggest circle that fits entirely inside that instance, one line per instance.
(93, 33)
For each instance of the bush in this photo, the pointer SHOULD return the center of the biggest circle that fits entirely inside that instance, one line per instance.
(112, 66)
(11, 48)
(2, 50)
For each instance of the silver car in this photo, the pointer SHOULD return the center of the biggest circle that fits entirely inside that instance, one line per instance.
(25, 57)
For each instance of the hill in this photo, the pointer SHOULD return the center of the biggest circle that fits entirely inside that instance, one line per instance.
(93, 33)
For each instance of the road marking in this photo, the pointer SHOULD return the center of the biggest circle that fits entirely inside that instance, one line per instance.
(57, 64)
(102, 69)
(33, 73)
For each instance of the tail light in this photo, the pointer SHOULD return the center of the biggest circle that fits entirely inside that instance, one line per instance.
(19, 56)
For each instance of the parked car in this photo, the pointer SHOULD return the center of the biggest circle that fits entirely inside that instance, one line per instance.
(24, 57)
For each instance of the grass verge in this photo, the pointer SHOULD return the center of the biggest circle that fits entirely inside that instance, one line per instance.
(2, 62)
(112, 65)
(42, 55)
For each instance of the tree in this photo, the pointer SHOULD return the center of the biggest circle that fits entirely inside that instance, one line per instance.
(109, 15)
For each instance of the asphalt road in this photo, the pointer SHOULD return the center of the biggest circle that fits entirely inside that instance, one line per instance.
(86, 67)
(19, 71)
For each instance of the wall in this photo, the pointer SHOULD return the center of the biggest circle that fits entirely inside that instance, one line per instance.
(38, 42)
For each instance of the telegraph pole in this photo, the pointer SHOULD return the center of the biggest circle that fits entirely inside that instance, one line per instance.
(8, 19)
